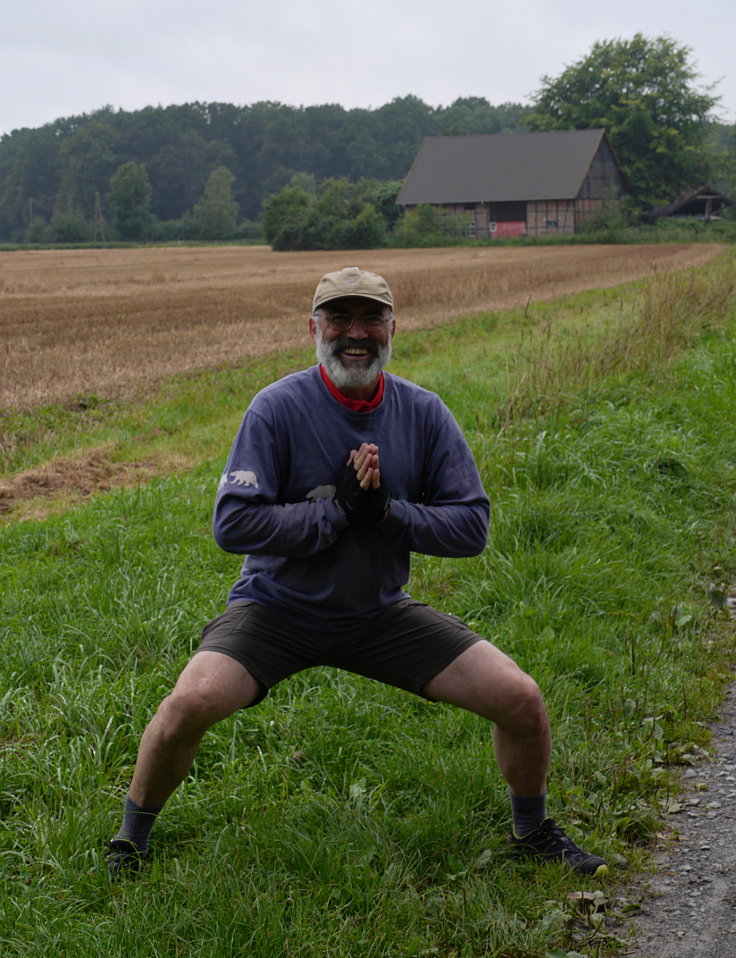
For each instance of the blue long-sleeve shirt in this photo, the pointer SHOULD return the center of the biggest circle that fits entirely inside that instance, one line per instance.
(276, 498)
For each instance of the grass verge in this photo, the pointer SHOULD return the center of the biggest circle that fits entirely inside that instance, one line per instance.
(342, 818)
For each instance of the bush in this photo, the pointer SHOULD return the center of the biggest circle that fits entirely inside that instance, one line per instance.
(69, 226)
(172, 231)
(38, 231)
(430, 226)
(337, 214)
(249, 230)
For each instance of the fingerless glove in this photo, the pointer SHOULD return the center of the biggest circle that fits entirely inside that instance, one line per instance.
(360, 505)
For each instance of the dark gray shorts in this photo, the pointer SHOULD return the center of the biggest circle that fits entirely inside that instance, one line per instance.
(407, 644)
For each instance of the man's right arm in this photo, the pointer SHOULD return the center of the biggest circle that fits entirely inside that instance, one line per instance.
(292, 529)
(250, 516)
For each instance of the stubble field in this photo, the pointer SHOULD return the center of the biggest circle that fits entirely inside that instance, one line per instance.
(112, 322)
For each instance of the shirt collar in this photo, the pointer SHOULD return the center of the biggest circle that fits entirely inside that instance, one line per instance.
(356, 405)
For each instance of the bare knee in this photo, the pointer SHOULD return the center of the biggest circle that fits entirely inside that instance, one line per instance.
(525, 714)
(211, 687)
(186, 713)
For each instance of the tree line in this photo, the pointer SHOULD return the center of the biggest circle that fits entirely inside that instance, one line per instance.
(63, 171)
(325, 176)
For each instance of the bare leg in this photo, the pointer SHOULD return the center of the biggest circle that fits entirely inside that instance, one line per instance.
(211, 687)
(486, 681)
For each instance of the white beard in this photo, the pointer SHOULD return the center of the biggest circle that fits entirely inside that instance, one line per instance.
(356, 376)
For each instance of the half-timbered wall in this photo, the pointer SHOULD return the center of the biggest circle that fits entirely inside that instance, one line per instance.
(550, 216)
(604, 179)
(489, 219)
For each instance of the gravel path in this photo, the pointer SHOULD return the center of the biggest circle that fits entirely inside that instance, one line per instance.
(689, 907)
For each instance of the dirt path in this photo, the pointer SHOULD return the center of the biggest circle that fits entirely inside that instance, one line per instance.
(688, 909)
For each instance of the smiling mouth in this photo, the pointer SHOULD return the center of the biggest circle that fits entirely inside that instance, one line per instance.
(353, 351)
(356, 352)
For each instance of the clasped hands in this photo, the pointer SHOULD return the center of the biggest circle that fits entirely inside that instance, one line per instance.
(358, 489)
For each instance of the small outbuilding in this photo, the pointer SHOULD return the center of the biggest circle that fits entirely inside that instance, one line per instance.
(514, 184)
(703, 203)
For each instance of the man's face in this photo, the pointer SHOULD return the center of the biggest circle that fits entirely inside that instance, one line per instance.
(353, 356)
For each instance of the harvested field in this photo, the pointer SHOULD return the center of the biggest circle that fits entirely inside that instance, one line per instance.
(110, 322)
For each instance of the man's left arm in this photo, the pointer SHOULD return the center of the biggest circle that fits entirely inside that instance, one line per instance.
(457, 528)
(451, 519)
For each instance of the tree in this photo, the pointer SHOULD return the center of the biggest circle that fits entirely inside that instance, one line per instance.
(721, 145)
(216, 212)
(89, 156)
(395, 131)
(178, 173)
(30, 173)
(641, 91)
(474, 114)
(130, 200)
(382, 194)
(286, 219)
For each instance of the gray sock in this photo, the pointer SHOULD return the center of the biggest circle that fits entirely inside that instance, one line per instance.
(137, 823)
(527, 812)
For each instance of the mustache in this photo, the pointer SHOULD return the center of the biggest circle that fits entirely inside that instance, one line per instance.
(346, 342)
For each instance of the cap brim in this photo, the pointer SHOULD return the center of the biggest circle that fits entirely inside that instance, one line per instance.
(330, 299)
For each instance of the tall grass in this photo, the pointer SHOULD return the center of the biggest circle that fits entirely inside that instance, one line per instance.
(341, 817)
(642, 334)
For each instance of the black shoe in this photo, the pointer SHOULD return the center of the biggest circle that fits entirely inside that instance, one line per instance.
(123, 859)
(549, 843)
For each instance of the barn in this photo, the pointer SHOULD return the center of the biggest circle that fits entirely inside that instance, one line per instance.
(515, 184)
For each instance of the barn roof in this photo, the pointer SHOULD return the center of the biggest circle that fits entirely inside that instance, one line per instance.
(499, 167)
(695, 202)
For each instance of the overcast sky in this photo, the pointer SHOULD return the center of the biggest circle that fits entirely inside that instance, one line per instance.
(75, 56)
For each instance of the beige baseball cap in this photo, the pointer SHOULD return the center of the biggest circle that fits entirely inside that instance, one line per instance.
(352, 281)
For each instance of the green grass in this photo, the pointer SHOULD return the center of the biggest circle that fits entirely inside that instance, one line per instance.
(189, 416)
(612, 534)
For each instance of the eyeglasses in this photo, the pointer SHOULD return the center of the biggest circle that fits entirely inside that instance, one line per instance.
(342, 322)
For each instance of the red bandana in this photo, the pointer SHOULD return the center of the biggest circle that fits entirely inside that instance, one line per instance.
(357, 405)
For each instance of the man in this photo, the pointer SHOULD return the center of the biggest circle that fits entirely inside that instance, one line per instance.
(337, 474)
